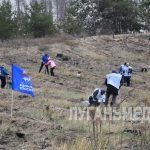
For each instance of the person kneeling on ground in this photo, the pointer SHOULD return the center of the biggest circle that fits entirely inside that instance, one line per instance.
(97, 97)
(3, 76)
(113, 82)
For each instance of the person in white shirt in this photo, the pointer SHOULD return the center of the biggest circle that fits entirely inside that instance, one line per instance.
(121, 68)
(97, 97)
(113, 82)
(127, 73)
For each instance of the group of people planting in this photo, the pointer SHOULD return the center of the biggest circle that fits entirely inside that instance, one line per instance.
(46, 61)
(113, 82)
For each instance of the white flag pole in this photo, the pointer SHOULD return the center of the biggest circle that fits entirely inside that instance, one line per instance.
(12, 103)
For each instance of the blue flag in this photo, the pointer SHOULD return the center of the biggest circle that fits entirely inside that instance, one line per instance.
(21, 81)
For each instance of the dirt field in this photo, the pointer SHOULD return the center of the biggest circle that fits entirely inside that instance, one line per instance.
(43, 122)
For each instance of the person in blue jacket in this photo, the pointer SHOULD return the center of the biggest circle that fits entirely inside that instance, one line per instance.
(44, 62)
(3, 76)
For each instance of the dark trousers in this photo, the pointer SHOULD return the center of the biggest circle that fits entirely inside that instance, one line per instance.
(111, 90)
(3, 81)
(52, 71)
(127, 80)
(92, 102)
(42, 64)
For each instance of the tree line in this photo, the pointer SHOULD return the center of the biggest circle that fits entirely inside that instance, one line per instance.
(107, 16)
(78, 16)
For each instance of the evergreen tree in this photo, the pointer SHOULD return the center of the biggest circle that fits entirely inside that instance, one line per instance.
(145, 13)
(41, 23)
(22, 22)
(121, 15)
(72, 23)
(6, 21)
(90, 16)
(108, 16)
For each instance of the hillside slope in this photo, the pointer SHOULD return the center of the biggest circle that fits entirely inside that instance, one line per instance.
(44, 120)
